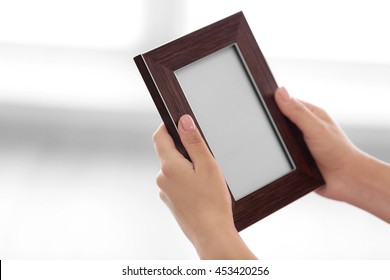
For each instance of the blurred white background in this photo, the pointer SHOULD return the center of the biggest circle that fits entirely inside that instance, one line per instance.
(77, 165)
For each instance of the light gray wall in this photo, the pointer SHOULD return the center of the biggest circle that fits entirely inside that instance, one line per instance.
(78, 184)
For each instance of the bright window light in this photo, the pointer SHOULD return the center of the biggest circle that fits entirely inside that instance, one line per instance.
(78, 53)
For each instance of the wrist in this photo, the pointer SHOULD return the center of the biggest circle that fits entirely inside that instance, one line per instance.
(222, 241)
(370, 187)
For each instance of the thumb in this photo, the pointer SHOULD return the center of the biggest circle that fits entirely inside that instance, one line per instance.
(193, 141)
(297, 112)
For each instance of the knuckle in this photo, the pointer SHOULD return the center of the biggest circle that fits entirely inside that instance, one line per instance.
(322, 126)
(326, 115)
(211, 166)
(160, 179)
(163, 196)
(167, 169)
(155, 136)
(194, 139)
(321, 129)
(299, 107)
(321, 113)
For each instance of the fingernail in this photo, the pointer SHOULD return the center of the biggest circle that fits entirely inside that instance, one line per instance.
(284, 94)
(187, 123)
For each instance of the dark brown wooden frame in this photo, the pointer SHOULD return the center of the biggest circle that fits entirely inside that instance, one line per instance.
(157, 69)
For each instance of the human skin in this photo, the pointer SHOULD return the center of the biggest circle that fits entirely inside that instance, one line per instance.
(196, 193)
(350, 175)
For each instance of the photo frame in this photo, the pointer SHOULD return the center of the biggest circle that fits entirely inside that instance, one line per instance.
(218, 75)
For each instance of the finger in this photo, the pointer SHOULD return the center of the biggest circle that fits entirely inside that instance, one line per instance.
(163, 197)
(319, 112)
(297, 112)
(193, 142)
(160, 180)
(164, 145)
